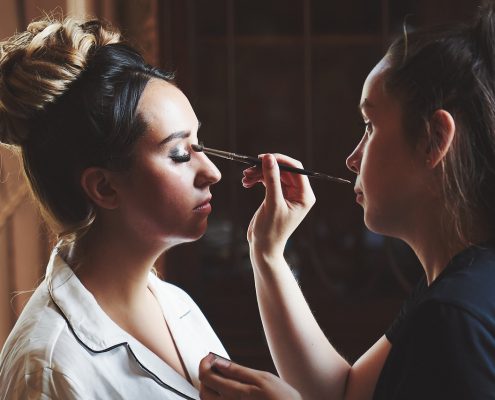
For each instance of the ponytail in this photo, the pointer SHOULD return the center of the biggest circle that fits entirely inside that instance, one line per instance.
(453, 68)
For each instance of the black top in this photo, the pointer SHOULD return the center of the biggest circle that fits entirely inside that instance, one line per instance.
(443, 341)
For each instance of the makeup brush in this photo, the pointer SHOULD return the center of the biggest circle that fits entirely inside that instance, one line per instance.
(256, 161)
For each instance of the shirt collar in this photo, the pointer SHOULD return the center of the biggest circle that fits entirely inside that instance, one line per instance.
(95, 330)
(92, 326)
(81, 310)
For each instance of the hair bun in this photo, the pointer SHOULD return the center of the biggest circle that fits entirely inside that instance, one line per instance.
(38, 65)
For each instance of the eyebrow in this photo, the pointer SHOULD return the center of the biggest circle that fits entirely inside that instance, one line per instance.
(365, 104)
(175, 136)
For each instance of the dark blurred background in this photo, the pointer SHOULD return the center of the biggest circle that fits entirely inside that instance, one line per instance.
(263, 76)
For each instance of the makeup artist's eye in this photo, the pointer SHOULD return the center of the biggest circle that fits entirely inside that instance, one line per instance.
(368, 128)
(179, 156)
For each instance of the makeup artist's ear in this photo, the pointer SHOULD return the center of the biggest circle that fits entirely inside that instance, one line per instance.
(97, 184)
(441, 132)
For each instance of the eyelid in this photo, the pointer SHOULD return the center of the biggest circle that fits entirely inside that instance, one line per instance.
(178, 150)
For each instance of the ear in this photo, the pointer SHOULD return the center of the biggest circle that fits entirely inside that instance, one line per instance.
(97, 184)
(441, 134)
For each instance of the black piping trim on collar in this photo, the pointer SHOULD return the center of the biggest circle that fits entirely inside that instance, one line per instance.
(129, 349)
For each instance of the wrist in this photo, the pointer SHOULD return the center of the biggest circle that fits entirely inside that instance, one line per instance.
(267, 260)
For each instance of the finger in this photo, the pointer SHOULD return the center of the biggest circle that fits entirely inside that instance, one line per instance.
(294, 179)
(248, 183)
(231, 370)
(256, 170)
(205, 393)
(205, 365)
(292, 162)
(271, 179)
(286, 177)
(225, 387)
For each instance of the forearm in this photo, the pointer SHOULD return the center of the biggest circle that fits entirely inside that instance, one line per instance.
(302, 354)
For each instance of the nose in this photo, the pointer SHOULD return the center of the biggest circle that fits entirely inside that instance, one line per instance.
(353, 162)
(208, 174)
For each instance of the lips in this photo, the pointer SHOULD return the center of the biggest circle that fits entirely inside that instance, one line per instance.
(204, 205)
(359, 194)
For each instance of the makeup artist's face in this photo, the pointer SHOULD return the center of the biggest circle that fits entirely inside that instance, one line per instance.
(389, 170)
(166, 194)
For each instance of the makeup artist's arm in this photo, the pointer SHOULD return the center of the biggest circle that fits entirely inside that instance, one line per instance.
(302, 354)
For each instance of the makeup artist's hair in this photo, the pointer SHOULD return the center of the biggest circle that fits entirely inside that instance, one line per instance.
(68, 96)
(453, 68)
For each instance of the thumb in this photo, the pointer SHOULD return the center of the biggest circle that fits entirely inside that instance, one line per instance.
(236, 372)
(271, 178)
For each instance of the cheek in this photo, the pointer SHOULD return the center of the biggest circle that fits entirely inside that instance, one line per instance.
(157, 184)
(164, 187)
(372, 167)
(381, 172)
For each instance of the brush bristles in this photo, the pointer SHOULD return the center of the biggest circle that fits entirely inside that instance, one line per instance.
(197, 147)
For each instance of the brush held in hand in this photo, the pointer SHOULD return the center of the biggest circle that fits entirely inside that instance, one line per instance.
(256, 161)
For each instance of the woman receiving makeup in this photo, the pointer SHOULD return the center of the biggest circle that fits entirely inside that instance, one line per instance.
(425, 170)
(105, 141)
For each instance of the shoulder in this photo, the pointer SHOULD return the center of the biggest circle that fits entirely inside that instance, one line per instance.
(446, 323)
(454, 342)
(39, 353)
(37, 329)
(468, 285)
(45, 383)
(446, 352)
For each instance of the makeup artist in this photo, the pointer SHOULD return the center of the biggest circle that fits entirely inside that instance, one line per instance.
(105, 140)
(425, 173)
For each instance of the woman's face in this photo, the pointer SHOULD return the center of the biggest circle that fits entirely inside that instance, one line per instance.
(166, 194)
(390, 171)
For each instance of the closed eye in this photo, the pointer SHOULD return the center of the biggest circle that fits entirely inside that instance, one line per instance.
(179, 157)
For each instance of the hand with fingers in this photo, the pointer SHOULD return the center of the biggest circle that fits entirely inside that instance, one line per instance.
(223, 379)
(288, 198)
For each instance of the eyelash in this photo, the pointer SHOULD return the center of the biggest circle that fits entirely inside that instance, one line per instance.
(368, 127)
(180, 158)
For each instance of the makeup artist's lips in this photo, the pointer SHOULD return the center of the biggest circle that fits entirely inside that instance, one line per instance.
(359, 195)
(204, 207)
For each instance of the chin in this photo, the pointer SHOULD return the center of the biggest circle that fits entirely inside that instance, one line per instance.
(385, 225)
(374, 223)
(196, 234)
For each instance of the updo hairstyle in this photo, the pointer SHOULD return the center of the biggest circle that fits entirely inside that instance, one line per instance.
(69, 91)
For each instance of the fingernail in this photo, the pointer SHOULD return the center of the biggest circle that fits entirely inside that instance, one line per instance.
(221, 362)
(270, 160)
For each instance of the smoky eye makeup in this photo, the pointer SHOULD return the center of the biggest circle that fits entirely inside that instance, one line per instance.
(180, 154)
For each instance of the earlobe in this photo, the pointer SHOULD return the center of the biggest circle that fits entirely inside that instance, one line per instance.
(97, 185)
(441, 134)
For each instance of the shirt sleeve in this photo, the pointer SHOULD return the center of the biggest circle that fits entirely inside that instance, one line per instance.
(406, 307)
(450, 356)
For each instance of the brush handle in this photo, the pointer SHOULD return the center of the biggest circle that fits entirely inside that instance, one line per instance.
(254, 161)
(283, 167)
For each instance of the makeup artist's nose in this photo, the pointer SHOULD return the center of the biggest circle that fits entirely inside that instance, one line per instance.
(208, 173)
(353, 162)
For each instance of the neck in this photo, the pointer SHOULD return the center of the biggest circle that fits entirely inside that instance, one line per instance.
(434, 254)
(436, 244)
(113, 264)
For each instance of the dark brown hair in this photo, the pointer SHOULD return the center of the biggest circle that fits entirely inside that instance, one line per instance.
(68, 97)
(453, 68)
